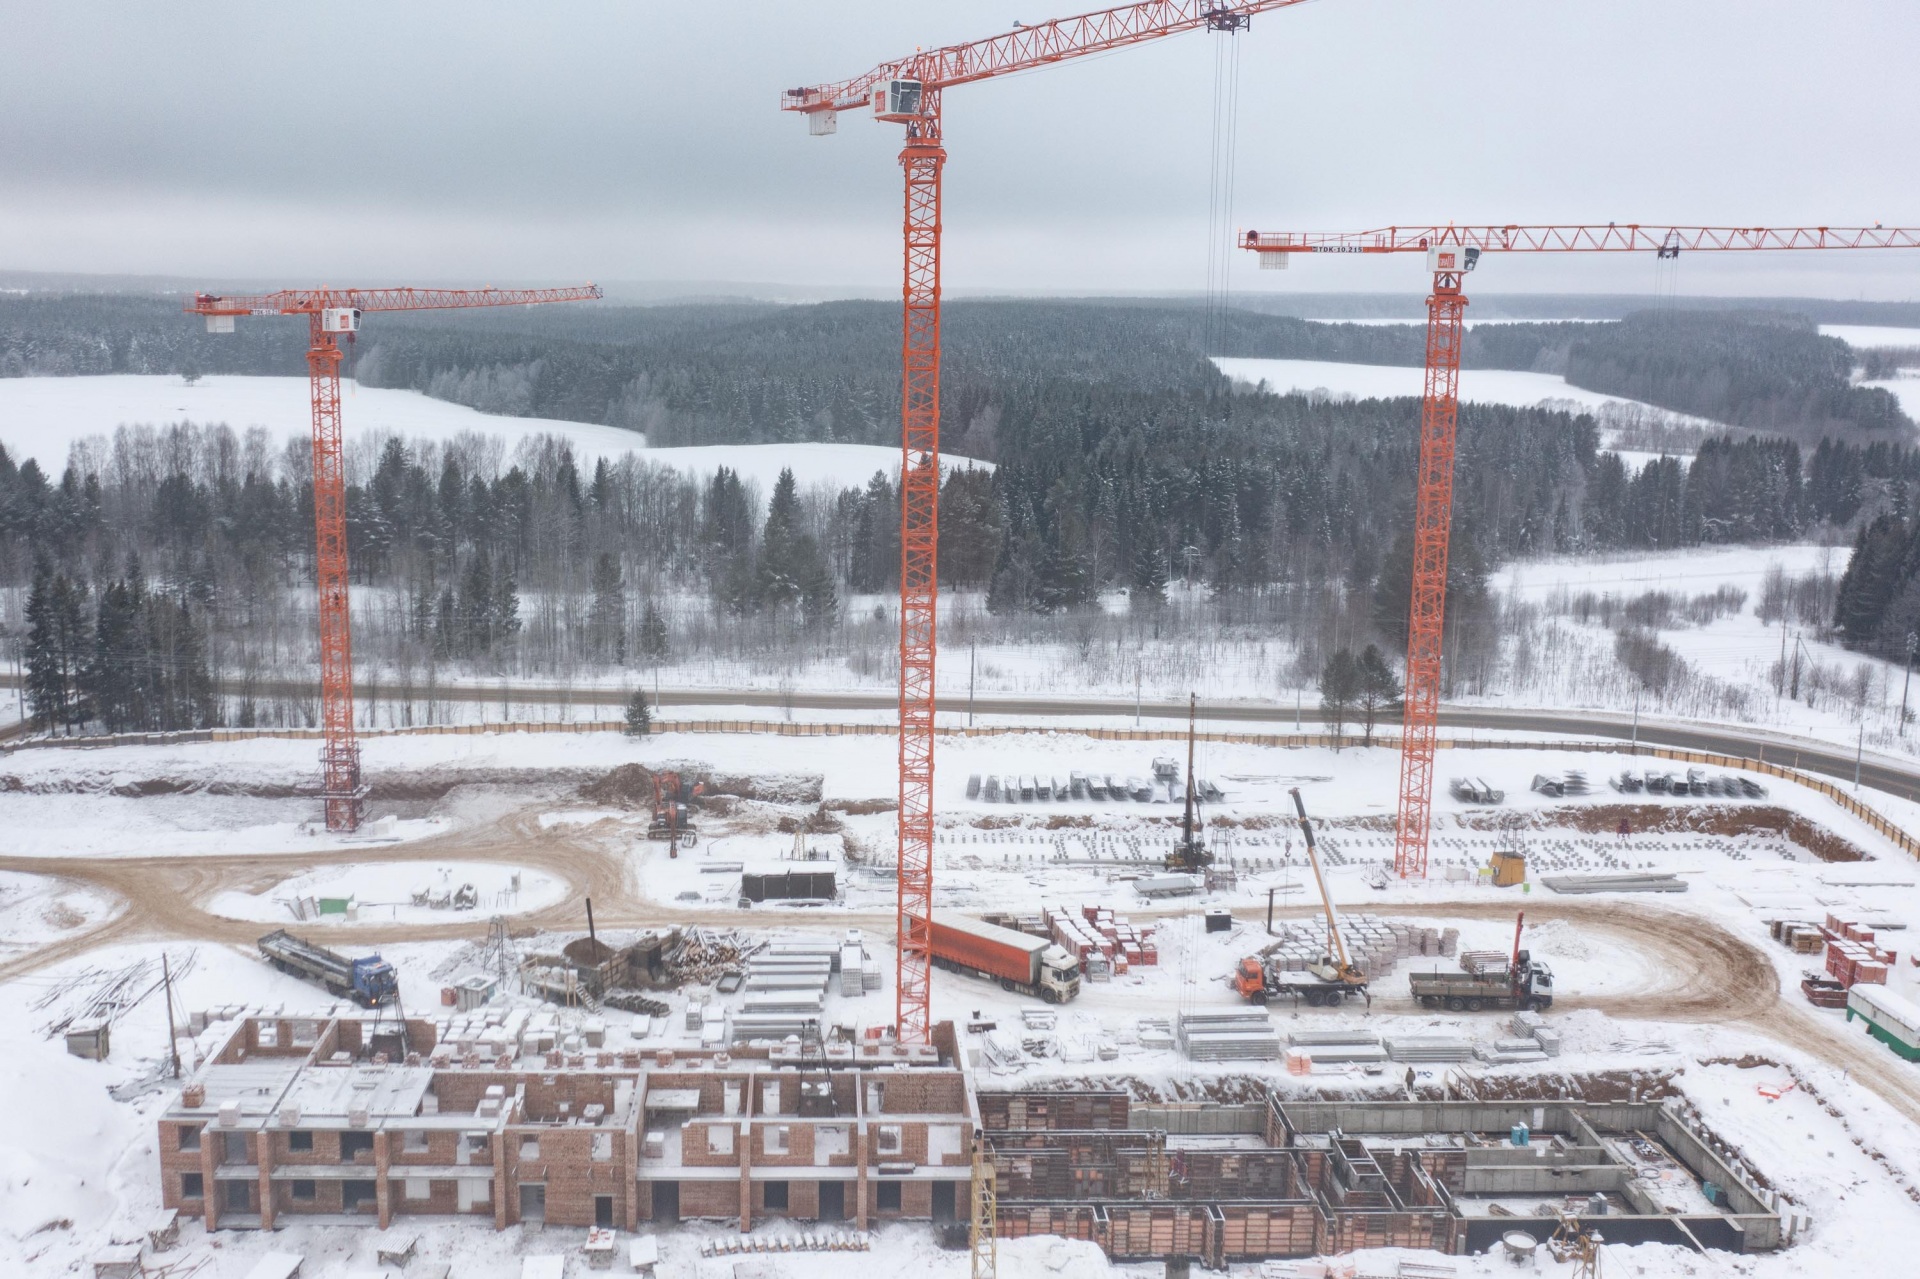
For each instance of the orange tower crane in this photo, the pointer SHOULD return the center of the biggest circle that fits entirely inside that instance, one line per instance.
(907, 91)
(330, 313)
(1452, 251)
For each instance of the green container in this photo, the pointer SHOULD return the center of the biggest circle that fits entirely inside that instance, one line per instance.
(335, 905)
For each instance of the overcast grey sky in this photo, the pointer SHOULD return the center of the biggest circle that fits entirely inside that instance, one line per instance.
(628, 140)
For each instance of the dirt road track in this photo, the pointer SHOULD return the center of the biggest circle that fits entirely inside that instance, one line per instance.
(1701, 972)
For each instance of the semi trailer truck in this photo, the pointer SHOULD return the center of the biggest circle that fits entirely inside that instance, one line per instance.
(1019, 962)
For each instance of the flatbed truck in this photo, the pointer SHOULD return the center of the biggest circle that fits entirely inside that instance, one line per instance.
(369, 981)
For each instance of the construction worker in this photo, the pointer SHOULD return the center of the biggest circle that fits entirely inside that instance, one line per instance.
(1625, 828)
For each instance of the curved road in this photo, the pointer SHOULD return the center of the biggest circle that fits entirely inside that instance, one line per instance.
(1880, 773)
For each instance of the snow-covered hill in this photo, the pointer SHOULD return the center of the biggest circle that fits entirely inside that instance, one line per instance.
(43, 418)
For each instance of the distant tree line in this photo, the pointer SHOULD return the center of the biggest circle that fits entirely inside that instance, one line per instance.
(746, 372)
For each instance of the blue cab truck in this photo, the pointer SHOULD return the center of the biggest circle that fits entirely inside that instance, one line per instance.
(369, 982)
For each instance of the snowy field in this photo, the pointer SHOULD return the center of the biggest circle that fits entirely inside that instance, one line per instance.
(1382, 381)
(44, 417)
(72, 1178)
(1865, 337)
(1847, 698)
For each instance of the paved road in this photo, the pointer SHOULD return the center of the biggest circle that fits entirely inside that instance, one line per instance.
(1881, 774)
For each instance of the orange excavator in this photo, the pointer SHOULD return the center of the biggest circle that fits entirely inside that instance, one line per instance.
(1332, 979)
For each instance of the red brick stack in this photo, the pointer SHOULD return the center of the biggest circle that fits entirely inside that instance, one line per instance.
(1852, 956)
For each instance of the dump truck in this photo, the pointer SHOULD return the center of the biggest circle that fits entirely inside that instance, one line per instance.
(1019, 962)
(1488, 979)
(369, 981)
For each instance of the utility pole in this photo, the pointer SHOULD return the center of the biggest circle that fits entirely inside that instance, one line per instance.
(1859, 751)
(1913, 642)
(173, 1039)
(1780, 684)
(973, 655)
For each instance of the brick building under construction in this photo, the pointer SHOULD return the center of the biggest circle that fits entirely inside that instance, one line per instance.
(359, 1119)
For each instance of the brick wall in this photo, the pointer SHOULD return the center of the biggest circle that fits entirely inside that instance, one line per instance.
(175, 1162)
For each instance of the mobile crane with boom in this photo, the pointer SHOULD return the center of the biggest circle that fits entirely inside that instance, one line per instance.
(1332, 980)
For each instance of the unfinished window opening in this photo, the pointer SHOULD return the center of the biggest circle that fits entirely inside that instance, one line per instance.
(189, 1139)
(414, 1141)
(299, 1141)
(237, 1196)
(475, 1193)
(770, 1097)
(887, 1196)
(305, 1034)
(602, 1146)
(303, 1191)
(356, 1194)
(355, 1144)
(890, 1139)
(235, 1151)
(474, 1148)
(191, 1186)
(876, 1096)
(419, 1188)
(529, 1147)
(773, 1196)
(719, 1139)
(829, 1141)
(774, 1137)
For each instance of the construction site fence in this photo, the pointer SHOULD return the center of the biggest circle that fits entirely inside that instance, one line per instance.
(1881, 825)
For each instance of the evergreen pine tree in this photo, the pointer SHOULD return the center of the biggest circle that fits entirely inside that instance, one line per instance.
(653, 633)
(639, 716)
(1339, 691)
(607, 618)
(1379, 687)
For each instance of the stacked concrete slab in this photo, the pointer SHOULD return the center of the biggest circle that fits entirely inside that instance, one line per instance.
(1229, 1036)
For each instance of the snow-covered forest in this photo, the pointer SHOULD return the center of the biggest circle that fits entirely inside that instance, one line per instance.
(1139, 502)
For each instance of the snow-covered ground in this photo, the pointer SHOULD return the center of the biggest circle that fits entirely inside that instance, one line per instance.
(37, 909)
(43, 417)
(73, 1175)
(1561, 661)
(387, 893)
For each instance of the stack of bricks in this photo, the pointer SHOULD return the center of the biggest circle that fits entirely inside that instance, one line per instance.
(1088, 930)
(1852, 956)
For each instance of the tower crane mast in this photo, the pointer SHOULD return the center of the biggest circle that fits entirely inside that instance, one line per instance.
(1453, 251)
(331, 313)
(908, 91)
